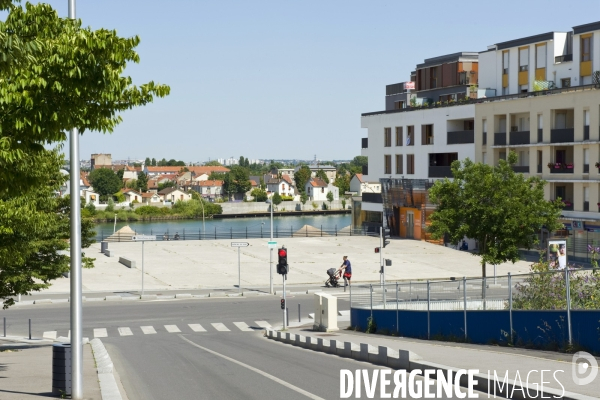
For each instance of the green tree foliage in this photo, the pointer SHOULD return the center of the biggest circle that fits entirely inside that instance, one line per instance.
(213, 163)
(259, 194)
(237, 180)
(142, 182)
(301, 177)
(166, 184)
(35, 228)
(119, 197)
(499, 208)
(162, 163)
(193, 208)
(276, 198)
(329, 197)
(147, 161)
(132, 184)
(357, 163)
(110, 206)
(322, 175)
(120, 173)
(242, 161)
(216, 176)
(343, 183)
(303, 199)
(56, 75)
(105, 182)
(153, 162)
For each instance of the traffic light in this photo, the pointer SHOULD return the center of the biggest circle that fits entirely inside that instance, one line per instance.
(282, 265)
(283, 304)
(376, 249)
(385, 234)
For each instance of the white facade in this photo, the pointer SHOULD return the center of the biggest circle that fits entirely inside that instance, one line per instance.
(358, 186)
(443, 119)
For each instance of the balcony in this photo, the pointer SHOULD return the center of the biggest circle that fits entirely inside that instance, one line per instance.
(539, 169)
(365, 143)
(522, 169)
(586, 168)
(460, 137)
(586, 132)
(568, 207)
(440, 171)
(540, 135)
(519, 137)
(562, 135)
(500, 139)
(558, 168)
(563, 58)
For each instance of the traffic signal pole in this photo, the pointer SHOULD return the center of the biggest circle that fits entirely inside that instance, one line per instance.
(382, 275)
(284, 303)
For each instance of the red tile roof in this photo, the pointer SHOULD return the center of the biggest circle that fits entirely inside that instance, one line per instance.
(211, 183)
(360, 177)
(317, 182)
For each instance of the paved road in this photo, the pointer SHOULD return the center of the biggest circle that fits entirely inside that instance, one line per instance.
(160, 353)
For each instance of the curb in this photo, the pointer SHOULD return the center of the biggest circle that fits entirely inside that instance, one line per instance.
(105, 367)
(405, 359)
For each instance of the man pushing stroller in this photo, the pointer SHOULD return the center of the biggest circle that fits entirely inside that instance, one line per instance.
(345, 270)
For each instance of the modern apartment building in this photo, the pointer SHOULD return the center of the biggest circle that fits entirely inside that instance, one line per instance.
(416, 138)
(548, 111)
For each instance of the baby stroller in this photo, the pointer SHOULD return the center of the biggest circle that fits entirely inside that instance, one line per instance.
(333, 278)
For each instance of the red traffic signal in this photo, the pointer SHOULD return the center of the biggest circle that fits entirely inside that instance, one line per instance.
(376, 249)
(283, 304)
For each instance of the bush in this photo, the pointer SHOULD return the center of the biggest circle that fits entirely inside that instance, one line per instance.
(119, 197)
(276, 199)
(111, 206)
(287, 198)
(90, 208)
(151, 210)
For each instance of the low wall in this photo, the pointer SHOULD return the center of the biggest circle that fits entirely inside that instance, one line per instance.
(543, 329)
(250, 207)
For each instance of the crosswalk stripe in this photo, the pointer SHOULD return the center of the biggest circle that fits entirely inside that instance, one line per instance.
(125, 331)
(263, 324)
(197, 328)
(148, 330)
(220, 327)
(49, 335)
(243, 327)
(172, 328)
(100, 332)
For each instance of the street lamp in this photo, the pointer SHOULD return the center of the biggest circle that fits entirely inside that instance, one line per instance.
(75, 244)
(202, 204)
(271, 251)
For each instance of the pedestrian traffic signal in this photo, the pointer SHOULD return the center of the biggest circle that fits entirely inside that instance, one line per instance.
(283, 304)
(385, 234)
(376, 249)
(282, 265)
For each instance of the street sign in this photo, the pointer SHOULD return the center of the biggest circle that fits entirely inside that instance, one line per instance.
(240, 244)
(272, 245)
(143, 238)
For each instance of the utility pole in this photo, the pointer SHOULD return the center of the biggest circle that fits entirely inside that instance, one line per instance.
(76, 312)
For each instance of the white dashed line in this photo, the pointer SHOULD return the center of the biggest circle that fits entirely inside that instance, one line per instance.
(172, 328)
(197, 328)
(220, 327)
(100, 332)
(125, 332)
(148, 330)
(243, 327)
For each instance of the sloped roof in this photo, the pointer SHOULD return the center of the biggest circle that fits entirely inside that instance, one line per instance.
(359, 177)
(208, 169)
(317, 182)
(215, 182)
(168, 190)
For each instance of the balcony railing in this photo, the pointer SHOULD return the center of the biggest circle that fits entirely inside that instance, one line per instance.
(365, 143)
(436, 171)
(523, 169)
(519, 137)
(586, 132)
(500, 139)
(563, 58)
(562, 135)
(561, 168)
(540, 135)
(460, 137)
(568, 207)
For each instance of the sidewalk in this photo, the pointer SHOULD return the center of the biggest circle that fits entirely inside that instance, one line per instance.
(26, 372)
(469, 356)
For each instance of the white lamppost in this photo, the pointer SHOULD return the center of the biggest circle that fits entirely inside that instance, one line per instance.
(271, 251)
(202, 204)
(76, 311)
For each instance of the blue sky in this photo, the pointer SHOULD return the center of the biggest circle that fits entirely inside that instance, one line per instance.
(289, 79)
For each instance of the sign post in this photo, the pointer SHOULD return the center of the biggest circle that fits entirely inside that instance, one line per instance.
(239, 245)
(143, 238)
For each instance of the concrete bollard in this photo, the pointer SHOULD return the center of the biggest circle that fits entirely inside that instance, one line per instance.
(300, 339)
(332, 347)
(320, 344)
(312, 343)
(364, 352)
(382, 355)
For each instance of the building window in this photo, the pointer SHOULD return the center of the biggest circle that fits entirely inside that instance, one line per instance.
(410, 135)
(505, 62)
(410, 164)
(398, 136)
(524, 59)
(398, 105)
(387, 132)
(540, 56)
(399, 164)
(586, 48)
(427, 134)
(565, 83)
(484, 158)
(322, 190)
(387, 159)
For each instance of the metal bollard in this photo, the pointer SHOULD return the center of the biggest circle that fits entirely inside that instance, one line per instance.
(299, 312)
(29, 328)
(4, 326)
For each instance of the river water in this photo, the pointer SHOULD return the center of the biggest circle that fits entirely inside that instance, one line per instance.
(194, 226)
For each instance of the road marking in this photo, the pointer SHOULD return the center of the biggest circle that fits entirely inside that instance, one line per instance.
(197, 328)
(258, 371)
(148, 330)
(220, 327)
(243, 327)
(172, 328)
(49, 335)
(125, 332)
(263, 324)
(100, 332)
